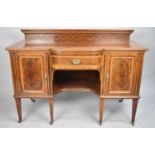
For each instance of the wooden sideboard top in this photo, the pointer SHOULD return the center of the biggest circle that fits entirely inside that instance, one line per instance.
(76, 40)
(21, 46)
(48, 31)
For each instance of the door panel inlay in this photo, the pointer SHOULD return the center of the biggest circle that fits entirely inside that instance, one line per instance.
(32, 73)
(121, 74)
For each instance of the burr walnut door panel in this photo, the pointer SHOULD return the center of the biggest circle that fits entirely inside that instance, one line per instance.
(32, 73)
(120, 74)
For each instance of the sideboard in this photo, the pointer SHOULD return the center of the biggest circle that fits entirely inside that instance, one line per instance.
(105, 62)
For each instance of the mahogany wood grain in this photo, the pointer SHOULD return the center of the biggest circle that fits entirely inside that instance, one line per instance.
(105, 62)
(32, 73)
(121, 73)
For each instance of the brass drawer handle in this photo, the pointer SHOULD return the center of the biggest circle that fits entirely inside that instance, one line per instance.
(76, 61)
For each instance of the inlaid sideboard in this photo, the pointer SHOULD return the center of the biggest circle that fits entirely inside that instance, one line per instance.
(105, 62)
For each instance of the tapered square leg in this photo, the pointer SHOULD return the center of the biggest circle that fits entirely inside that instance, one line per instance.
(101, 110)
(19, 109)
(51, 109)
(134, 109)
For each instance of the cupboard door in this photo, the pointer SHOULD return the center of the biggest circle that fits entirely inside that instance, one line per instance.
(120, 74)
(32, 73)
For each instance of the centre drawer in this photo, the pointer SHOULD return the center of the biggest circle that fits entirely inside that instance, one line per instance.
(77, 60)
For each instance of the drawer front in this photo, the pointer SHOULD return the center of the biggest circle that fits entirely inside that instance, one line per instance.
(77, 60)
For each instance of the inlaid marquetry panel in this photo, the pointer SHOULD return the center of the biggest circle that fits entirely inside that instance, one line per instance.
(32, 75)
(120, 74)
(78, 37)
(32, 71)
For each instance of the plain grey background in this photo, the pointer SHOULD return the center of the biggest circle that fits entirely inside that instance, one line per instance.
(78, 109)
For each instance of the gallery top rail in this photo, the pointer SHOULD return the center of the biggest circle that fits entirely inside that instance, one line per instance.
(104, 37)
